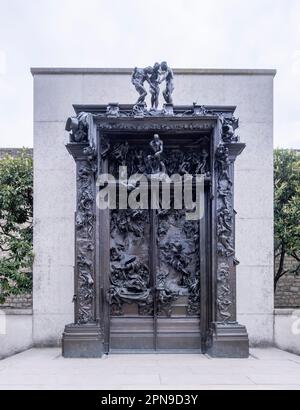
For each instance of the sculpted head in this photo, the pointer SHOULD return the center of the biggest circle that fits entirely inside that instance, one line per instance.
(164, 66)
(149, 70)
(156, 67)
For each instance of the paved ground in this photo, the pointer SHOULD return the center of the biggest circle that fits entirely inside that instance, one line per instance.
(46, 369)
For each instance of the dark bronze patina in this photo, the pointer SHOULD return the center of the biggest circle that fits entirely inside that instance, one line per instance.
(154, 76)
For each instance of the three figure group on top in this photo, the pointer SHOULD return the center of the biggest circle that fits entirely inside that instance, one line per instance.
(154, 76)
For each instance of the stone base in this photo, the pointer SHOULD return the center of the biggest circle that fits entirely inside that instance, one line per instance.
(168, 109)
(84, 341)
(229, 341)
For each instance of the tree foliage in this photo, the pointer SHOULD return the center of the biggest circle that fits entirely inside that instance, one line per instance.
(16, 212)
(287, 211)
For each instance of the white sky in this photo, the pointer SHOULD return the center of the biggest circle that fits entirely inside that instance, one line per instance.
(128, 33)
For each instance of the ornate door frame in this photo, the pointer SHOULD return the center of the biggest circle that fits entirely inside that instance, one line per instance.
(222, 335)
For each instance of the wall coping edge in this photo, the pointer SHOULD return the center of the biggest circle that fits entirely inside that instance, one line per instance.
(17, 312)
(127, 71)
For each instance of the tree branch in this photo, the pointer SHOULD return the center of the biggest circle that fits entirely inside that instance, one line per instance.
(3, 249)
(280, 271)
(296, 271)
(295, 256)
(282, 274)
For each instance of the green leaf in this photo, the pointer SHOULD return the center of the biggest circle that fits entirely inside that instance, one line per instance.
(16, 212)
(287, 203)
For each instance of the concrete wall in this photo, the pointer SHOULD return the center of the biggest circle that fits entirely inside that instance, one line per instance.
(55, 90)
(15, 331)
(287, 330)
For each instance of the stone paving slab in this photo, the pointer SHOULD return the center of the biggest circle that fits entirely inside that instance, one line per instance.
(266, 369)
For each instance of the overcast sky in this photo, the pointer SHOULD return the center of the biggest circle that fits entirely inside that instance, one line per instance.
(128, 33)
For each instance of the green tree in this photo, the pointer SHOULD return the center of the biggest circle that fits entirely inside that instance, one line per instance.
(16, 212)
(287, 211)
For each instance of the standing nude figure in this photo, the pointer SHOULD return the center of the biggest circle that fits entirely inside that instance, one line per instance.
(139, 76)
(168, 76)
(154, 86)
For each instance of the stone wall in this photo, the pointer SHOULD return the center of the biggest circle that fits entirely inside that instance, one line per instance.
(288, 289)
(18, 302)
(13, 152)
(56, 90)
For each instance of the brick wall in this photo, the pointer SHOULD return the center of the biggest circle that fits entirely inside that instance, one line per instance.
(288, 289)
(18, 302)
(13, 152)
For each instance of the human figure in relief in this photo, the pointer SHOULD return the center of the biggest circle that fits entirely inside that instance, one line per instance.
(157, 146)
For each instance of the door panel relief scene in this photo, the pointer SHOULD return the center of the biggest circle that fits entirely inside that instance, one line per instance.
(154, 285)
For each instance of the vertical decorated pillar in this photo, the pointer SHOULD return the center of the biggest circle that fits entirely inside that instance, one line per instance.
(84, 337)
(228, 337)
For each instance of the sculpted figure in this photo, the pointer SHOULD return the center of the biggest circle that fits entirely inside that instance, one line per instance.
(81, 133)
(154, 86)
(204, 159)
(222, 156)
(178, 258)
(139, 76)
(168, 76)
(154, 76)
(154, 163)
(120, 151)
(157, 146)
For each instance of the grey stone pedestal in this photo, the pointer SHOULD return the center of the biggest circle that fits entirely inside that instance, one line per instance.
(82, 341)
(230, 340)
